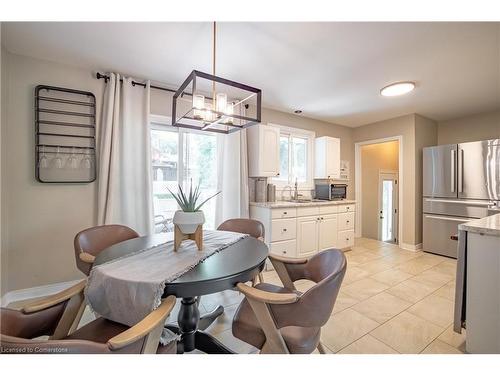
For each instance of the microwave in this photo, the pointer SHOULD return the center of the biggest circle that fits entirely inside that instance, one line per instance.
(331, 192)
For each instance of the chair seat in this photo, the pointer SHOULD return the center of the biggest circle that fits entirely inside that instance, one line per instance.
(101, 330)
(299, 340)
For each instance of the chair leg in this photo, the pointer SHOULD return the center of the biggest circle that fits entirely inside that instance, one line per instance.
(321, 348)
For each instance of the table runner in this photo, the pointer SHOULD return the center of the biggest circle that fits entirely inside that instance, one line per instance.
(127, 289)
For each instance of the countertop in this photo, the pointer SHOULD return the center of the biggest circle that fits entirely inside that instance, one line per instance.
(280, 204)
(489, 225)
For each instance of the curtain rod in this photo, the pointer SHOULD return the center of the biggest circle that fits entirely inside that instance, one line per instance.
(134, 83)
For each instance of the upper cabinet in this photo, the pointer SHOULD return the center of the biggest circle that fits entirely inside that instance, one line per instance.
(327, 160)
(263, 151)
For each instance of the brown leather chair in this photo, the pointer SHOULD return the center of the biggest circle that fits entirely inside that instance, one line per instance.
(251, 227)
(90, 242)
(57, 316)
(281, 319)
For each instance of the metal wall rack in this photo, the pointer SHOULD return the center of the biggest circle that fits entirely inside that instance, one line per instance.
(65, 131)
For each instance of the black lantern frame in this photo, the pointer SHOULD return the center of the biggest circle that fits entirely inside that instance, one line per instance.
(191, 79)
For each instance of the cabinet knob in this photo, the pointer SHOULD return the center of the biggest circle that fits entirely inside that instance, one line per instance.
(284, 251)
(284, 229)
(347, 221)
(321, 218)
(284, 212)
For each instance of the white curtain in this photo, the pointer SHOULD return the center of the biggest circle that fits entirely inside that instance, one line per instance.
(124, 174)
(232, 174)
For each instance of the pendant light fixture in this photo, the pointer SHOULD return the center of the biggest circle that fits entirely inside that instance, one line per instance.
(211, 103)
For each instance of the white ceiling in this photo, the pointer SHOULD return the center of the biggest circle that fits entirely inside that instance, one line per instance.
(331, 71)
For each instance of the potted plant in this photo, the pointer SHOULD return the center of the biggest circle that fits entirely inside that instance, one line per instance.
(189, 217)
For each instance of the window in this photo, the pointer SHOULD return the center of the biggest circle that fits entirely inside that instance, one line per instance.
(180, 156)
(296, 160)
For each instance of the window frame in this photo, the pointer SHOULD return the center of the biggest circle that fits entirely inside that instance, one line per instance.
(310, 137)
(164, 123)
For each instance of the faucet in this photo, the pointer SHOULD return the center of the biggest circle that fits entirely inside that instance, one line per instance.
(295, 192)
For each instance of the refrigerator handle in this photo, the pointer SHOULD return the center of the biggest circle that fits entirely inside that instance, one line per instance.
(452, 171)
(460, 169)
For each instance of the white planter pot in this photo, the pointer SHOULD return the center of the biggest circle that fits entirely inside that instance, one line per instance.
(188, 221)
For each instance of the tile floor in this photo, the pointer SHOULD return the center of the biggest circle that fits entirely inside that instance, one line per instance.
(391, 301)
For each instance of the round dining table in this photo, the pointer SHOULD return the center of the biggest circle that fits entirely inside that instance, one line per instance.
(239, 262)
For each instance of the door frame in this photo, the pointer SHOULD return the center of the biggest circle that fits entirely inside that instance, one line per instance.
(357, 182)
(395, 197)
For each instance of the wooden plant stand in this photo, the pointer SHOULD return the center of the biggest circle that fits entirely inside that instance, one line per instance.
(197, 237)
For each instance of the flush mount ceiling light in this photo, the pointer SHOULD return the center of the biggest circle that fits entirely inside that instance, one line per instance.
(397, 88)
(211, 103)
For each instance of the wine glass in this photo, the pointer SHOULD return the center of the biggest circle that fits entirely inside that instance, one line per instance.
(86, 161)
(72, 162)
(58, 162)
(43, 162)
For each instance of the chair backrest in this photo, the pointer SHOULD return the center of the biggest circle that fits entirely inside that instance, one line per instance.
(251, 227)
(94, 240)
(314, 307)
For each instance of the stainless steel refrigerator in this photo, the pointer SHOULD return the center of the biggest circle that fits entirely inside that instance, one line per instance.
(461, 182)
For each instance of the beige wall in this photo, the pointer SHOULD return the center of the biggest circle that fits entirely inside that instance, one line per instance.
(40, 220)
(426, 133)
(471, 128)
(374, 159)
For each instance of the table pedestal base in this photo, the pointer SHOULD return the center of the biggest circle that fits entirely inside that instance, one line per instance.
(191, 327)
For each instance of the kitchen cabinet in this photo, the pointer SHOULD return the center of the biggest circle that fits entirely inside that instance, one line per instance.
(307, 236)
(327, 158)
(327, 237)
(299, 230)
(263, 150)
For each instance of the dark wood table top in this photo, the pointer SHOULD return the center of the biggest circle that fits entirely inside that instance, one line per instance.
(240, 262)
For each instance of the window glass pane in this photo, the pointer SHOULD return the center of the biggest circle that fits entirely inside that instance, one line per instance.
(387, 197)
(164, 152)
(200, 166)
(299, 155)
(284, 162)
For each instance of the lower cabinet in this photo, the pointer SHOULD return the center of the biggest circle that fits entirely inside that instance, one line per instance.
(284, 248)
(316, 233)
(327, 237)
(304, 231)
(307, 236)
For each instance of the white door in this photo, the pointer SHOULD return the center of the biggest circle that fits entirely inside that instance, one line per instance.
(307, 236)
(327, 232)
(269, 152)
(388, 207)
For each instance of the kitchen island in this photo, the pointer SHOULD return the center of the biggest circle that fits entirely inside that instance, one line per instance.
(297, 230)
(477, 298)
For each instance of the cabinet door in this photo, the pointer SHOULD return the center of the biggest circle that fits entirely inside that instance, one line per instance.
(327, 232)
(307, 236)
(269, 153)
(333, 157)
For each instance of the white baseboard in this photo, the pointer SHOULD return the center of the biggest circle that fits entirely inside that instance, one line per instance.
(407, 246)
(35, 292)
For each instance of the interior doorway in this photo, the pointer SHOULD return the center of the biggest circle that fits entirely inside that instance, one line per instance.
(373, 158)
(388, 206)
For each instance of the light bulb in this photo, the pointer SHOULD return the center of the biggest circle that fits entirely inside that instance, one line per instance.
(198, 105)
(208, 115)
(229, 111)
(221, 102)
